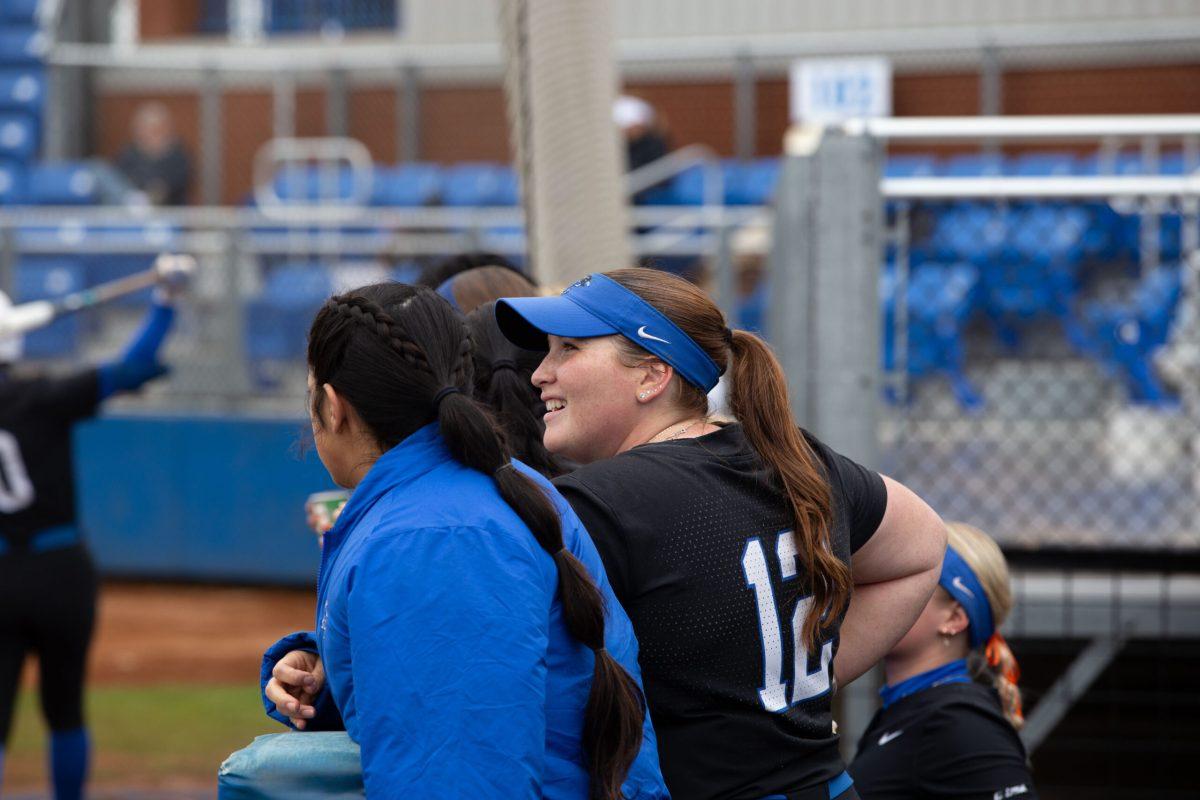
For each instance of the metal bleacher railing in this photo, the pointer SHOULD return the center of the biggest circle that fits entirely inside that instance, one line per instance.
(1054, 296)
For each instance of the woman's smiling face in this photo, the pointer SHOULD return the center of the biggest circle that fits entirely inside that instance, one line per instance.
(590, 396)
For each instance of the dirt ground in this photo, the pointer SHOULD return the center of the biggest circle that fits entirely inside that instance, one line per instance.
(149, 633)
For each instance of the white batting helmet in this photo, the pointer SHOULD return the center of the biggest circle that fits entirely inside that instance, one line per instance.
(11, 347)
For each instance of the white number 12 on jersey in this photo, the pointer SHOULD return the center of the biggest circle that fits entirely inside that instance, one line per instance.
(808, 684)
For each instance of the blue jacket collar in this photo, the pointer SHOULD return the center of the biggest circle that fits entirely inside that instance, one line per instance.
(954, 672)
(423, 450)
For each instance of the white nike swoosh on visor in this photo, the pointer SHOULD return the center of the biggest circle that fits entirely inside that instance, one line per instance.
(642, 333)
(962, 587)
(887, 737)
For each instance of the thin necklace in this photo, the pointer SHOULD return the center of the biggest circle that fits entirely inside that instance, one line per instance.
(677, 433)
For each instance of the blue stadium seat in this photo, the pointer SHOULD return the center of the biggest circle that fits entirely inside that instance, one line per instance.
(18, 12)
(277, 321)
(941, 299)
(1174, 162)
(313, 184)
(509, 193)
(750, 184)
(475, 184)
(1043, 165)
(39, 279)
(21, 46)
(406, 185)
(12, 184)
(64, 184)
(910, 166)
(1122, 163)
(18, 137)
(1123, 335)
(22, 90)
(972, 165)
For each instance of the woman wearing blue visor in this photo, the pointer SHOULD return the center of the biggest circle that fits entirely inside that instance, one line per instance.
(951, 709)
(729, 545)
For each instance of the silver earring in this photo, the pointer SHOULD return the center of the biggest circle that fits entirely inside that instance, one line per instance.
(643, 395)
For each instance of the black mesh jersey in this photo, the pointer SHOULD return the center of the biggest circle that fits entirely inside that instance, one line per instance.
(695, 536)
(949, 741)
(37, 486)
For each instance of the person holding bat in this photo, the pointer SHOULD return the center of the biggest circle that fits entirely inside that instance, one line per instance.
(47, 579)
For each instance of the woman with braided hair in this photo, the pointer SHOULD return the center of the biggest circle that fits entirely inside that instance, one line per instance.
(951, 707)
(467, 638)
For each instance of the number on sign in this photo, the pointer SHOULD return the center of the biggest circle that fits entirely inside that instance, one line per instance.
(808, 684)
(16, 490)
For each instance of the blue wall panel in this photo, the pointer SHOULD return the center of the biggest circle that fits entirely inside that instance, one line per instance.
(198, 497)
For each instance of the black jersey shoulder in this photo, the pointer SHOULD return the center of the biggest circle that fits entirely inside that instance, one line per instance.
(947, 741)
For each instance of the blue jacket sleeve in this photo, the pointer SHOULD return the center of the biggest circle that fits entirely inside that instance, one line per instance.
(448, 638)
(327, 717)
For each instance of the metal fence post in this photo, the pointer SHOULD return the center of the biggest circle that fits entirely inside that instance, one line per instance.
(211, 151)
(337, 112)
(824, 313)
(745, 101)
(408, 115)
(283, 106)
(234, 367)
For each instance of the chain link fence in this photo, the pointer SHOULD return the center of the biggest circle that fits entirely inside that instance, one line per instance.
(1040, 367)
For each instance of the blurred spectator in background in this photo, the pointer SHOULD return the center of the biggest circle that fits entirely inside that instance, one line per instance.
(155, 161)
(645, 136)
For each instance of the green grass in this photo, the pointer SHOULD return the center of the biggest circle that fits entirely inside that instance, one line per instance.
(146, 736)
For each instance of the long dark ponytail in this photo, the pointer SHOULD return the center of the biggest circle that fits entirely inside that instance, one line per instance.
(402, 358)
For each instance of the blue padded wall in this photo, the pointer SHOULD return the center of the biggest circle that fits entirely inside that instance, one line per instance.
(206, 498)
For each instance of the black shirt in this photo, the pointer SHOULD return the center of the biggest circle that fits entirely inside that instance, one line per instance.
(37, 487)
(690, 533)
(946, 741)
(163, 177)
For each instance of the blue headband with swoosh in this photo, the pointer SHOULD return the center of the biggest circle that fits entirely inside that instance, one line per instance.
(960, 581)
(599, 306)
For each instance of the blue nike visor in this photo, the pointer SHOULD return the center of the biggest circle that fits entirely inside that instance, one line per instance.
(599, 306)
(960, 581)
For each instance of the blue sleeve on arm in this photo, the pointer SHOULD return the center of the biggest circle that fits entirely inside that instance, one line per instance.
(448, 647)
(139, 363)
(327, 717)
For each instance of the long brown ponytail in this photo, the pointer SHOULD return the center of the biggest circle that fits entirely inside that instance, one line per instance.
(759, 401)
(402, 358)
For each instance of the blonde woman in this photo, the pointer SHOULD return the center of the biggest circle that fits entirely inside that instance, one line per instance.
(951, 707)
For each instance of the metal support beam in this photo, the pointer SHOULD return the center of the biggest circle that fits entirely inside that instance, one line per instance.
(991, 91)
(211, 150)
(1071, 686)
(408, 115)
(745, 101)
(824, 272)
(337, 104)
(283, 106)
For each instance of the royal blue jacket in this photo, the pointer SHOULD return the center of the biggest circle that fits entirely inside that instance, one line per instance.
(442, 635)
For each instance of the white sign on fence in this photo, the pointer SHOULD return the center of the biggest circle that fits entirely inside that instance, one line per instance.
(836, 89)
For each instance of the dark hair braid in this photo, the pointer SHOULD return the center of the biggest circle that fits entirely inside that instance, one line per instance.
(503, 381)
(354, 344)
